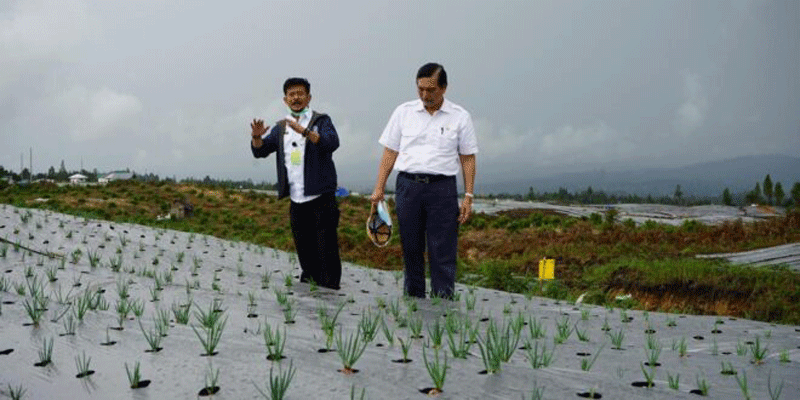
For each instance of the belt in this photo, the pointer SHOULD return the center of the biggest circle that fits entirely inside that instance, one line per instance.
(424, 178)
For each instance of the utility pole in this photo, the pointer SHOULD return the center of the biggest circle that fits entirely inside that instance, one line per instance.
(30, 159)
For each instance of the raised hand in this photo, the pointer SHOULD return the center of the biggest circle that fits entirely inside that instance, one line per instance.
(258, 128)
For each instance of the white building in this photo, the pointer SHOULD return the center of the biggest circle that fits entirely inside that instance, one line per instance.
(77, 179)
(115, 176)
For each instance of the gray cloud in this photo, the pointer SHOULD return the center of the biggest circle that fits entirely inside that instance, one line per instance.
(552, 86)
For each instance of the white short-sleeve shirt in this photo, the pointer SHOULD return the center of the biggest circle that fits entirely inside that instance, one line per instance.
(426, 143)
(293, 141)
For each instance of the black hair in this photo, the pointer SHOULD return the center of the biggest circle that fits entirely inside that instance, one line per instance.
(430, 69)
(296, 82)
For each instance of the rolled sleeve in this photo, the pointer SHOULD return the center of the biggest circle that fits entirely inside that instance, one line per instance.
(391, 134)
(467, 142)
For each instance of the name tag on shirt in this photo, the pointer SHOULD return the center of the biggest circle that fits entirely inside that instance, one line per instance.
(295, 157)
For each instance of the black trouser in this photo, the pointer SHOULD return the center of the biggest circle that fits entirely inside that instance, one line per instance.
(314, 226)
(427, 212)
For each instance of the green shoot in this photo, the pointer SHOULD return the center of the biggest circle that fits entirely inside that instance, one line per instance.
(587, 364)
(774, 394)
(46, 353)
(278, 384)
(436, 370)
(702, 385)
(674, 381)
(350, 350)
(758, 351)
(743, 385)
(275, 343)
(211, 336)
(133, 376)
(539, 358)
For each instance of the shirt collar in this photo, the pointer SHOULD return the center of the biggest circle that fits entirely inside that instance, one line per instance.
(446, 106)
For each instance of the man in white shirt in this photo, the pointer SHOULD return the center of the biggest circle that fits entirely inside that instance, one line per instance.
(307, 175)
(426, 139)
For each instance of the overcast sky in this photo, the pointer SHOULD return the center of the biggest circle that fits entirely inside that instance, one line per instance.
(169, 87)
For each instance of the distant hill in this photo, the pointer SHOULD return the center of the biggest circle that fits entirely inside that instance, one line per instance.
(703, 179)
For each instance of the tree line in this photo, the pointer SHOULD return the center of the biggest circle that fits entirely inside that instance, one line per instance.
(764, 193)
(62, 175)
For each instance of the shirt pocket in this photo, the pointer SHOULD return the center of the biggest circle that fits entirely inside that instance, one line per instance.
(447, 138)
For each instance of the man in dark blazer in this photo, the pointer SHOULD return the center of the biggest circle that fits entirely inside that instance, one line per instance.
(304, 143)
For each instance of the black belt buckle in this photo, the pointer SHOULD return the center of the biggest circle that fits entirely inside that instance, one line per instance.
(422, 179)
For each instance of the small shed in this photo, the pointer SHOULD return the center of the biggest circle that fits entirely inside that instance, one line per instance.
(77, 179)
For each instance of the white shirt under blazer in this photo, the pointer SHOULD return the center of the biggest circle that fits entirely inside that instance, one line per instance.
(293, 141)
(429, 144)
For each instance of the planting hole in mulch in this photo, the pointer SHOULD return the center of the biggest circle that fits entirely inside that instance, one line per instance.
(583, 354)
(728, 372)
(726, 353)
(484, 319)
(650, 331)
(117, 328)
(6, 352)
(8, 302)
(142, 384)
(402, 360)
(716, 331)
(430, 391)
(274, 358)
(652, 365)
(208, 391)
(156, 350)
(84, 374)
(324, 351)
(41, 364)
(348, 371)
(698, 337)
(208, 355)
(642, 384)
(251, 315)
(590, 395)
(697, 392)
(379, 345)
(111, 343)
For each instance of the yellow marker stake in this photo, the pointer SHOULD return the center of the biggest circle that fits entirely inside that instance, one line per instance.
(547, 267)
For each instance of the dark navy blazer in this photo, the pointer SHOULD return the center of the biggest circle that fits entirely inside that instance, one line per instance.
(318, 169)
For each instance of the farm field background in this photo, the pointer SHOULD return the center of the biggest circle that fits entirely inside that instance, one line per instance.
(599, 255)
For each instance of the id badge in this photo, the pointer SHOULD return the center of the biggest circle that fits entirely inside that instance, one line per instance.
(295, 157)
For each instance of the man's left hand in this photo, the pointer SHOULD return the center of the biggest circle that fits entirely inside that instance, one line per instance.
(294, 125)
(465, 210)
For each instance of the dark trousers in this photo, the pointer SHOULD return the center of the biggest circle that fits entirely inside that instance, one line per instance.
(314, 225)
(427, 214)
